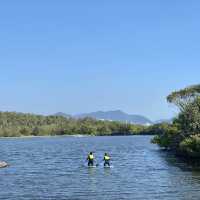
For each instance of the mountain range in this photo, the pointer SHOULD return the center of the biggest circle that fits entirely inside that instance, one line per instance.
(63, 114)
(115, 115)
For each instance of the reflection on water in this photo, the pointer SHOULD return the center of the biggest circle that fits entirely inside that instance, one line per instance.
(54, 168)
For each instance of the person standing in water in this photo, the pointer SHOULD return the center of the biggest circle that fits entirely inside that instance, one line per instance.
(90, 159)
(106, 160)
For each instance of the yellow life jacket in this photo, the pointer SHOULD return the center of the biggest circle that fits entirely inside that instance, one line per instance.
(106, 158)
(91, 157)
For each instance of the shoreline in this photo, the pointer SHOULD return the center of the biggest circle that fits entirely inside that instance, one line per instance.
(78, 136)
(44, 136)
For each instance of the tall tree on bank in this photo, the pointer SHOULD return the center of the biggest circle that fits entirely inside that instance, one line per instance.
(184, 97)
(185, 137)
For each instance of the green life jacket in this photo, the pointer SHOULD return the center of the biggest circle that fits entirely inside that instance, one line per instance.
(91, 157)
(106, 158)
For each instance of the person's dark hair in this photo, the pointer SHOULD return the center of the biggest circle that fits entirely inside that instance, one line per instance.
(90, 153)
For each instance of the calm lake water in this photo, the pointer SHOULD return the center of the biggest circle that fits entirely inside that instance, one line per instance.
(54, 168)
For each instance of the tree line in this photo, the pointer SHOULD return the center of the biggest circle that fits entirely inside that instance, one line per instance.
(183, 135)
(13, 124)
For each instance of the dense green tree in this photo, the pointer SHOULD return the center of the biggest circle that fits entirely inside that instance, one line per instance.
(19, 124)
(183, 134)
(191, 146)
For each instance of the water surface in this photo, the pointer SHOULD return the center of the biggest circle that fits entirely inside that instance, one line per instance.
(53, 168)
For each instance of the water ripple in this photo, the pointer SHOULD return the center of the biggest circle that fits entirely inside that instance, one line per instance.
(55, 169)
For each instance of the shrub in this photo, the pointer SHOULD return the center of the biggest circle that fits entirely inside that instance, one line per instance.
(191, 146)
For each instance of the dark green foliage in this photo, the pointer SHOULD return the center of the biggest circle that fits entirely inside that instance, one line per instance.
(165, 135)
(189, 118)
(183, 135)
(191, 146)
(19, 124)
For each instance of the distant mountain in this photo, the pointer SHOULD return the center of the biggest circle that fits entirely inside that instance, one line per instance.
(62, 114)
(163, 121)
(117, 115)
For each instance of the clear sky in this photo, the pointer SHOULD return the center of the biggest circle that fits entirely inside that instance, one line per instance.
(79, 56)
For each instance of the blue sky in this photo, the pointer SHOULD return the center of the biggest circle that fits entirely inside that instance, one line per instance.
(81, 56)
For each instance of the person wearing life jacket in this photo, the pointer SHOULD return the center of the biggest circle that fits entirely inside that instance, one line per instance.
(90, 159)
(106, 160)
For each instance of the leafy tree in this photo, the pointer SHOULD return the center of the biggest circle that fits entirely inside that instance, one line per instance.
(183, 135)
(191, 146)
(184, 97)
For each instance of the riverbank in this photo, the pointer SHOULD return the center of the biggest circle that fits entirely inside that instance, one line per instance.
(44, 136)
(74, 135)
(183, 134)
(16, 124)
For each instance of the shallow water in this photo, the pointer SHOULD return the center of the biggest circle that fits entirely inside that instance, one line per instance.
(53, 168)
